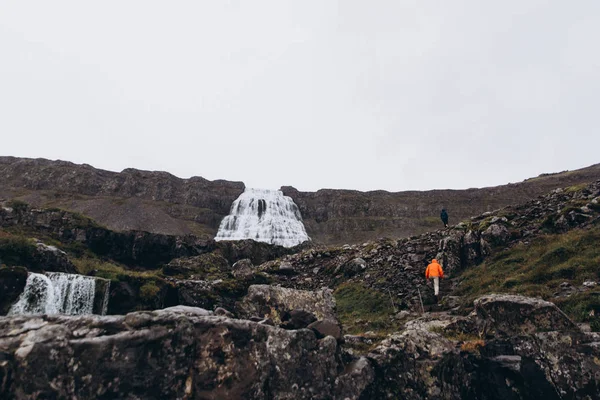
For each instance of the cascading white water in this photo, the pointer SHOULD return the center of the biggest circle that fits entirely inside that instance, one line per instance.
(265, 216)
(56, 293)
(37, 297)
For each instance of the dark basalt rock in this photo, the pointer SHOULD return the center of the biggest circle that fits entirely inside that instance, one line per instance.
(173, 353)
(12, 283)
(297, 319)
(325, 328)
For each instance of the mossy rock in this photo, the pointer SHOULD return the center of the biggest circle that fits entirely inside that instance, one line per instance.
(205, 266)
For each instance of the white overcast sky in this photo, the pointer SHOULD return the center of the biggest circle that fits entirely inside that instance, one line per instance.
(364, 95)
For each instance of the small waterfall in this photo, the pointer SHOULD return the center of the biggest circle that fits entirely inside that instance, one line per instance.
(265, 216)
(37, 297)
(57, 293)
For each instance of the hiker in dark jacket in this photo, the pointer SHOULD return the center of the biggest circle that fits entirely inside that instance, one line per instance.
(444, 217)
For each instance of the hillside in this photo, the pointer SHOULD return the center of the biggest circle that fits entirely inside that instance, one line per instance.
(159, 202)
(331, 321)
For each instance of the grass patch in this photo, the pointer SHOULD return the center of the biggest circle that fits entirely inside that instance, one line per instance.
(149, 291)
(576, 188)
(361, 309)
(109, 270)
(16, 250)
(538, 268)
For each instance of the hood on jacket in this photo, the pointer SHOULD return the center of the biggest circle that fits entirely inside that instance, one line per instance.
(434, 261)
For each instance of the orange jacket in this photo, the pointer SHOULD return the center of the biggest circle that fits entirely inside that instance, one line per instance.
(434, 270)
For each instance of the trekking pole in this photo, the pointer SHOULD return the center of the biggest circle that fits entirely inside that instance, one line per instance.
(392, 300)
(421, 300)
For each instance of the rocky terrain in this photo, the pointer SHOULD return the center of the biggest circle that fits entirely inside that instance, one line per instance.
(198, 319)
(511, 347)
(158, 202)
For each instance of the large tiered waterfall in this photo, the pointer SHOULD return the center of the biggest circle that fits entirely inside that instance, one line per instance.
(59, 293)
(265, 216)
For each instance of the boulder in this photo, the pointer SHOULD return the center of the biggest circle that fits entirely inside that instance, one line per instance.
(172, 353)
(354, 267)
(508, 315)
(496, 234)
(436, 359)
(325, 328)
(50, 258)
(275, 301)
(286, 268)
(403, 366)
(243, 269)
(12, 283)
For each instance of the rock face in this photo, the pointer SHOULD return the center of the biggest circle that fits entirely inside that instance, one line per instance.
(511, 315)
(156, 202)
(273, 302)
(12, 283)
(49, 258)
(347, 216)
(159, 202)
(173, 353)
(396, 268)
(133, 248)
(427, 360)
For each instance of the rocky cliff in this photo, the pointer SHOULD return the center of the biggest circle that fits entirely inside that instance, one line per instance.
(159, 202)
(346, 216)
(152, 201)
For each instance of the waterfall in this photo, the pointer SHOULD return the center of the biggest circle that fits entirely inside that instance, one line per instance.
(57, 293)
(265, 216)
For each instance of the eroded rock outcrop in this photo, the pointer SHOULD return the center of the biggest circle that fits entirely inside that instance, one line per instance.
(173, 353)
(511, 315)
(445, 357)
(274, 301)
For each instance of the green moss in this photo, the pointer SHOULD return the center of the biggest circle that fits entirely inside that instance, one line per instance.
(16, 249)
(110, 270)
(576, 188)
(149, 291)
(538, 268)
(363, 309)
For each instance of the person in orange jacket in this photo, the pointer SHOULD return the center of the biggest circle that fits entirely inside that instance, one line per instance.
(434, 271)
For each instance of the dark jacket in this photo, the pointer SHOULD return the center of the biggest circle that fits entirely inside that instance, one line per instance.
(444, 216)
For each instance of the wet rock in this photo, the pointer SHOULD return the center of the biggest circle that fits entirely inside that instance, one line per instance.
(12, 283)
(507, 315)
